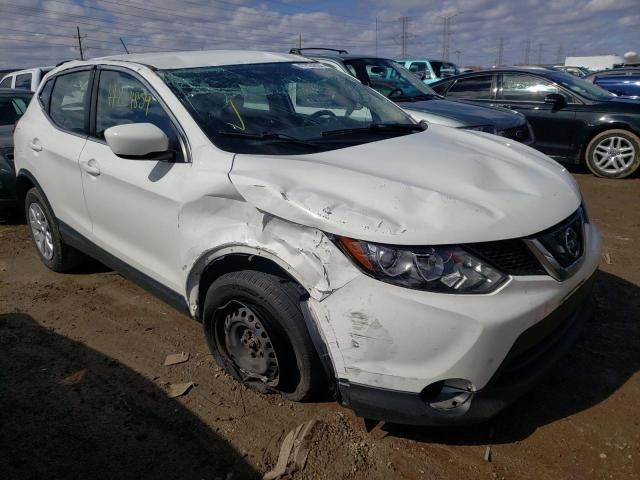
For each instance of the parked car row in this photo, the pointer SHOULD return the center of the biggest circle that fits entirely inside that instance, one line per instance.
(574, 121)
(326, 238)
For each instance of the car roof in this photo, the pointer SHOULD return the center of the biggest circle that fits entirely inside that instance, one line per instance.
(615, 72)
(543, 71)
(200, 58)
(337, 56)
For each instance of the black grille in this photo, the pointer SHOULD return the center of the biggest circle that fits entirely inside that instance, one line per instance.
(565, 241)
(520, 134)
(511, 256)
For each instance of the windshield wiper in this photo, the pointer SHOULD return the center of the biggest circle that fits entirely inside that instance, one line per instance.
(415, 98)
(276, 137)
(379, 128)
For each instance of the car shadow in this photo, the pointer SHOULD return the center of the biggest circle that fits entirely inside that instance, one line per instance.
(602, 360)
(67, 411)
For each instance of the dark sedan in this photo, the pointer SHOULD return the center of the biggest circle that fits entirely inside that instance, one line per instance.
(395, 82)
(621, 81)
(574, 121)
(13, 103)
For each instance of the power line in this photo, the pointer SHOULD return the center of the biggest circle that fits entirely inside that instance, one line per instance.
(446, 34)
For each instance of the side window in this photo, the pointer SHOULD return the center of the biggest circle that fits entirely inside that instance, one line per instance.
(474, 87)
(11, 109)
(68, 100)
(45, 94)
(527, 88)
(123, 99)
(23, 81)
(6, 82)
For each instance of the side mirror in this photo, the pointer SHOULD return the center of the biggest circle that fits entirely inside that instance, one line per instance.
(555, 99)
(143, 141)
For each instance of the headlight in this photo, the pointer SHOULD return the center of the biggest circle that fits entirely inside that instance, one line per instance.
(446, 269)
(483, 128)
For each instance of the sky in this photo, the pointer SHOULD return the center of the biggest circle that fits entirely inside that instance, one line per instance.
(41, 32)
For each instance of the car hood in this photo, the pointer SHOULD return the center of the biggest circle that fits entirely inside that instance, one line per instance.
(468, 114)
(440, 186)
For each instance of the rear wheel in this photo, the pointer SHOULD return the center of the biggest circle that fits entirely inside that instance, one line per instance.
(613, 154)
(256, 331)
(46, 236)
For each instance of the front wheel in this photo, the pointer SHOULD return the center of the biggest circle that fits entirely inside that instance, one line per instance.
(613, 154)
(256, 331)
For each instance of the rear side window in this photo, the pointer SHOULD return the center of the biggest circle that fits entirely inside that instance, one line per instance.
(6, 82)
(123, 99)
(23, 81)
(67, 108)
(45, 94)
(474, 87)
(12, 108)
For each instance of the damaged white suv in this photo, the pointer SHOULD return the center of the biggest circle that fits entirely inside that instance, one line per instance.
(323, 237)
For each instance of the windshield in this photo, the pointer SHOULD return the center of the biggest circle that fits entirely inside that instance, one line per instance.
(284, 108)
(12, 108)
(390, 79)
(583, 88)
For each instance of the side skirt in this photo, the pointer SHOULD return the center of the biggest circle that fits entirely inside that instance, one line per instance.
(86, 246)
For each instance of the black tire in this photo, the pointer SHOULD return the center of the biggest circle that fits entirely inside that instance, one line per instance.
(276, 302)
(590, 160)
(64, 257)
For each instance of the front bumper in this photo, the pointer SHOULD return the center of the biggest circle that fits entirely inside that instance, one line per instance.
(532, 355)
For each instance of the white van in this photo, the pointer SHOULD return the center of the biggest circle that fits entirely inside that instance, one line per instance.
(28, 79)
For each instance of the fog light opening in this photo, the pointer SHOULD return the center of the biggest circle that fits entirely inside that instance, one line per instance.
(448, 394)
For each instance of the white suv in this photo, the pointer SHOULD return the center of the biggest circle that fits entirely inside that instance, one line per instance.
(323, 237)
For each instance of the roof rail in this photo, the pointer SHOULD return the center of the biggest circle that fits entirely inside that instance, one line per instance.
(63, 62)
(298, 51)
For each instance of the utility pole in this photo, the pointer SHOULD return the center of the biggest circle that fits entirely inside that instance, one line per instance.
(446, 34)
(540, 45)
(376, 36)
(300, 40)
(527, 52)
(79, 38)
(500, 52)
(124, 46)
(457, 52)
(404, 36)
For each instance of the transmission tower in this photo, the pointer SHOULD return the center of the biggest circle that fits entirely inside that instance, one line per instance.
(457, 52)
(560, 54)
(527, 52)
(446, 34)
(404, 36)
(540, 45)
(500, 52)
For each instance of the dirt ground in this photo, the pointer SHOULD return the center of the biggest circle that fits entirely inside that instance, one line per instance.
(83, 387)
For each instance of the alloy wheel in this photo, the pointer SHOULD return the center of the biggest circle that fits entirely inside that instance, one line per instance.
(41, 231)
(614, 155)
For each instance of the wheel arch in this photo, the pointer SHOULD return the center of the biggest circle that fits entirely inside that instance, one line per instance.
(231, 258)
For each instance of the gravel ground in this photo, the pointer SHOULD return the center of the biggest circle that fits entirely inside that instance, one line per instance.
(83, 387)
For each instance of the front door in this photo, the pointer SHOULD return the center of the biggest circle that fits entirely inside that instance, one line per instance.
(554, 127)
(134, 204)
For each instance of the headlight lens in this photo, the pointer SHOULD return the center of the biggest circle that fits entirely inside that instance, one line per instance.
(484, 128)
(446, 269)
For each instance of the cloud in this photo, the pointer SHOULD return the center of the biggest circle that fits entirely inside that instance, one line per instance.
(41, 32)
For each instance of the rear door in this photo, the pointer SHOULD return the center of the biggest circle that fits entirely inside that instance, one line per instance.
(554, 128)
(134, 203)
(51, 136)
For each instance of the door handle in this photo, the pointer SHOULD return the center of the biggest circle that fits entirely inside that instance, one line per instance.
(90, 168)
(35, 145)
